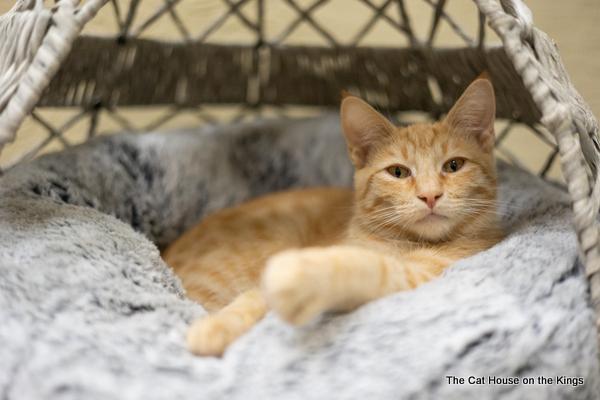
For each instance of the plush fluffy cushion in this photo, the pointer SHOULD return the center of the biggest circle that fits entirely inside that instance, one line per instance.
(88, 310)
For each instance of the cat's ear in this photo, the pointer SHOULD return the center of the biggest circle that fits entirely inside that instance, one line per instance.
(363, 128)
(474, 113)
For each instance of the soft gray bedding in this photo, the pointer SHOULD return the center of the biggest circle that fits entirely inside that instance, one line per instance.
(89, 311)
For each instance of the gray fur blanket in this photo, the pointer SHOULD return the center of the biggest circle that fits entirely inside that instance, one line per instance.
(88, 310)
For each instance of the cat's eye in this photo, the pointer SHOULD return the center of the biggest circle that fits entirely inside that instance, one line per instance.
(453, 165)
(398, 171)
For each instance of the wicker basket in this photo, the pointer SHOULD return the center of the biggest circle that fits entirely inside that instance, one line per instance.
(45, 63)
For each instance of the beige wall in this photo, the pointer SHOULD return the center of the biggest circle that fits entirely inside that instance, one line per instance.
(574, 24)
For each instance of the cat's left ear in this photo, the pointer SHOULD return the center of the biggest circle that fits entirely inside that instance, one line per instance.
(474, 113)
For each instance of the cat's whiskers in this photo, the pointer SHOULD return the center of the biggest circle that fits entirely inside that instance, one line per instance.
(396, 221)
(498, 203)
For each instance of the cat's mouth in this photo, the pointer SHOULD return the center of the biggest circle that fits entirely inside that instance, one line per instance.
(433, 217)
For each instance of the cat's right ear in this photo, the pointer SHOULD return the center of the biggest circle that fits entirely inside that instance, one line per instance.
(474, 112)
(363, 128)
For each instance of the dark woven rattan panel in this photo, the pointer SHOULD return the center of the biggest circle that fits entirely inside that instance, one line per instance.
(388, 78)
(143, 72)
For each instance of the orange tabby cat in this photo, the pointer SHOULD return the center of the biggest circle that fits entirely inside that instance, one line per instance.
(424, 197)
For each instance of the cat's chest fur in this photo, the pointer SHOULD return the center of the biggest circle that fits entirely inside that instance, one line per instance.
(399, 247)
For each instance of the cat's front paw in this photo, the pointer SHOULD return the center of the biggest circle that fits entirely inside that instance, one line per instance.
(294, 285)
(209, 336)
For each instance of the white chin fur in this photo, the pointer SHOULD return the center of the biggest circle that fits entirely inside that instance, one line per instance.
(433, 227)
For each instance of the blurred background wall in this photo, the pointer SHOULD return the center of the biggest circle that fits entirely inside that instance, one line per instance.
(573, 24)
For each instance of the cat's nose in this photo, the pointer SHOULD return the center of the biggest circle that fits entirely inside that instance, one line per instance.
(430, 198)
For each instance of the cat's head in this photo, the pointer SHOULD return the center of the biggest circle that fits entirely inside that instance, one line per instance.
(428, 181)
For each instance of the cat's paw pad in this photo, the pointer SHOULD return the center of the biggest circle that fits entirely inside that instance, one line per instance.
(293, 287)
(209, 336)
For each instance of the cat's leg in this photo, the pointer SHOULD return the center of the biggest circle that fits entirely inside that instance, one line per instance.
(211, 335)
(300, 284)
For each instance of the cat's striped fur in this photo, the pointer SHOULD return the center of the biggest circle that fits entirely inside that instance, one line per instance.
(424, 196)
